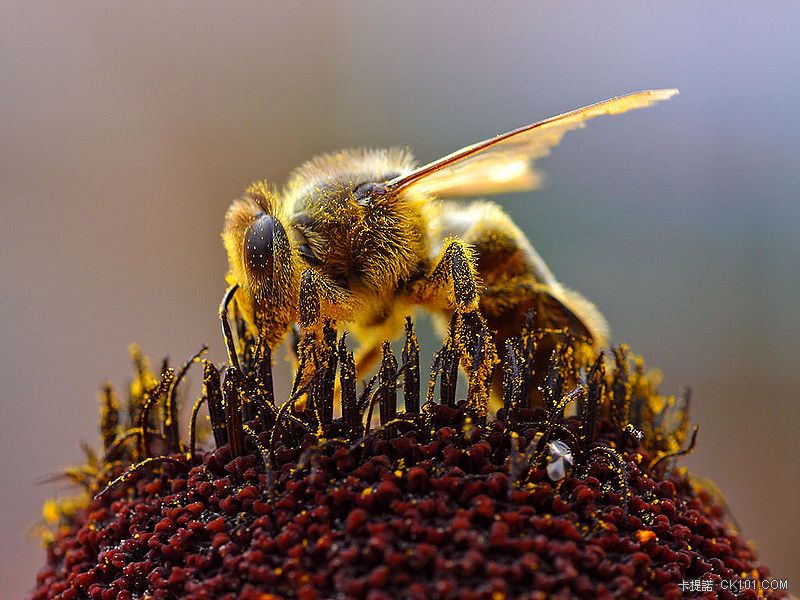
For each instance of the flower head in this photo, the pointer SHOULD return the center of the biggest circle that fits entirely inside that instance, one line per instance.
(576, 494)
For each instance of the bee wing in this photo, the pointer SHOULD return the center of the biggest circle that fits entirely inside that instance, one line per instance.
(504, 163)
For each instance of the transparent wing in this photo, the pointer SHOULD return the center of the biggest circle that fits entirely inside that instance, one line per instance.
(504, 163)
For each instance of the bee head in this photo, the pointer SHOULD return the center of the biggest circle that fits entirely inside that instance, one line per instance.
(262, 261)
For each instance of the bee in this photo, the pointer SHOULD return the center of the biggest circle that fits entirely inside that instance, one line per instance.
(360, 238)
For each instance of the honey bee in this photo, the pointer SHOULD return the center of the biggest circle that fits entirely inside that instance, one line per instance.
(360, 238)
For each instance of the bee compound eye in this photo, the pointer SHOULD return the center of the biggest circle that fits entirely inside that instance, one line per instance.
(258, 248)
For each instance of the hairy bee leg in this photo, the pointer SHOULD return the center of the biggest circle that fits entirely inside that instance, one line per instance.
(311, 347)
(310, 329)
(516, 283)
(233, 357)
(475, 341)
(455, 273)
(309, 300)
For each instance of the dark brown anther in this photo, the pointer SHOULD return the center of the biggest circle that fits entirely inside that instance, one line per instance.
(109, 415)
(678, 453)
(449, 380)
(233, 357)
(264, 395)
(247, 346)
(264, 370)
(387, 382)
(216, 405)
(448, 364)
(621, 389)
(315, 391)
(411, 377)
(170, 425)
(249, 408)
(144, 380)
(433, 375)
(364, 399)
(327, 384)
(249, 350)
(150, 400)
(554, 380)
(530, 347)
(171, 428)
(233, 410)
(138, 468)
(347, 382)
(515, 461)
(192, 450)
(595, 383)
(513, 380)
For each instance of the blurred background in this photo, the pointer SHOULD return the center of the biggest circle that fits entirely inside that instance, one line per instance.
(126, 129)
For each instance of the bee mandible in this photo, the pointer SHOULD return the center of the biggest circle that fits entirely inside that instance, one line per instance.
(360, 238)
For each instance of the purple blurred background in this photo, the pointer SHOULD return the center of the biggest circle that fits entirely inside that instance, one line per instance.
(125, 130)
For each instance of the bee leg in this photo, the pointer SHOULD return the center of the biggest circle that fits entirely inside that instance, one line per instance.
(455, 275)
(475, 343)
(308, 342)
(309, 300)
(312, 348)
(322, 300)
